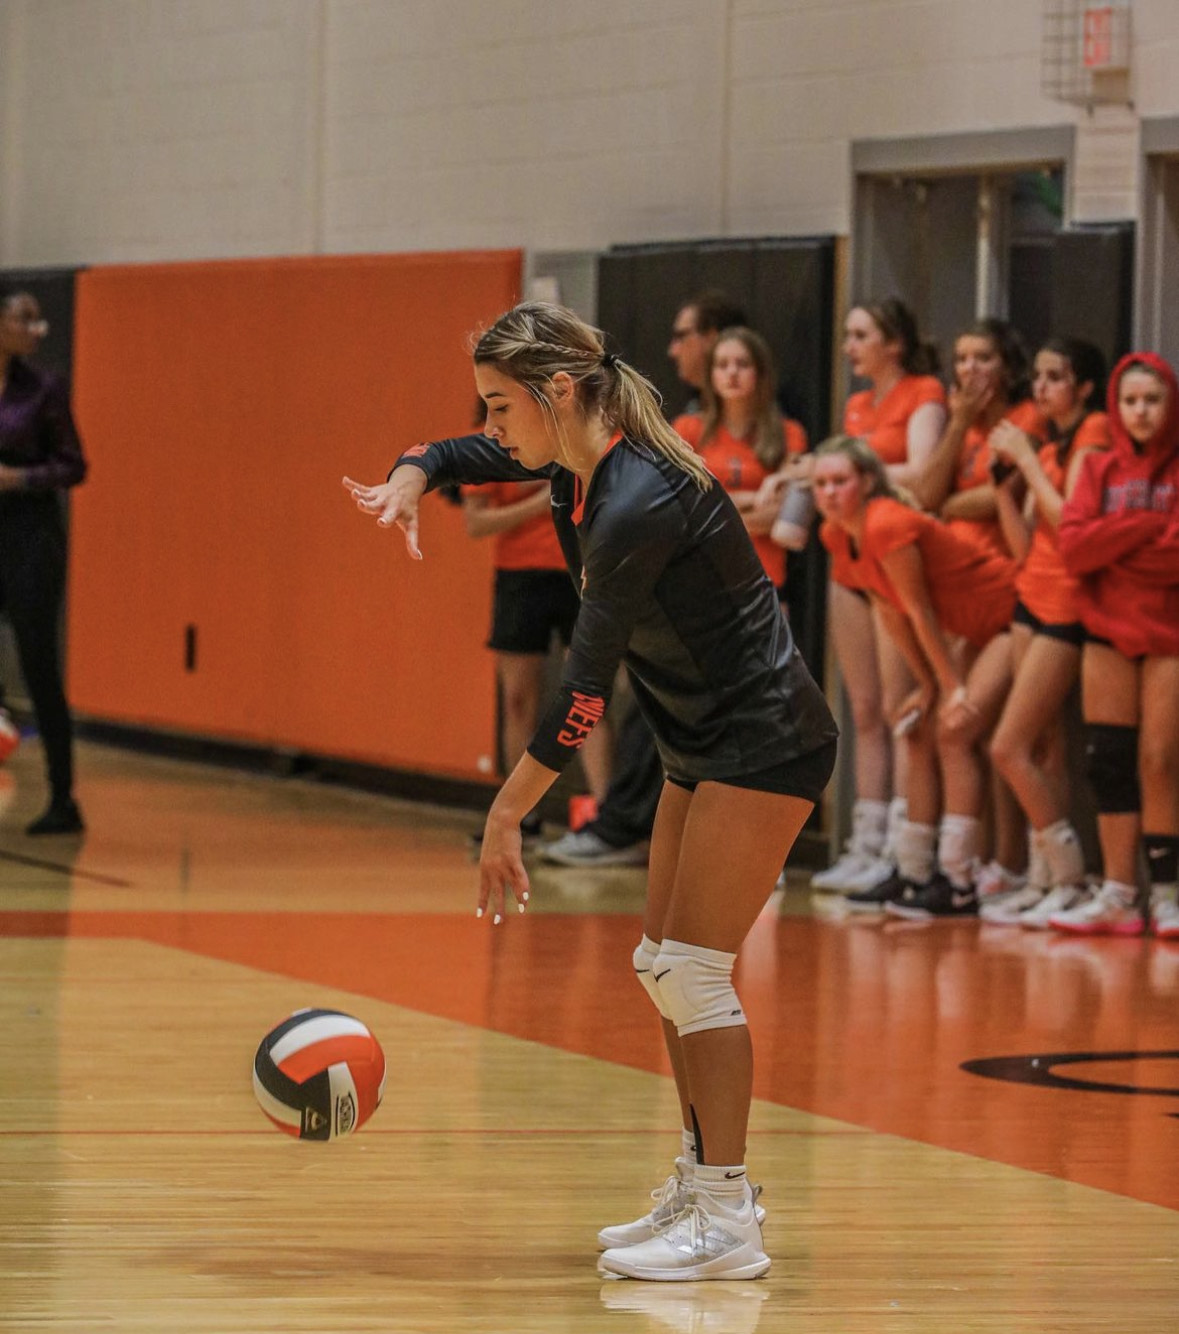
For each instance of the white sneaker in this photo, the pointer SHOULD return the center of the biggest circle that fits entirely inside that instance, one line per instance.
(1164, 913)
(1061, 899)
(703, 1241)
(994, 880)
(582, 847)
(852, 873)
(670, 1199)
(1110, 912)
(1009, 909)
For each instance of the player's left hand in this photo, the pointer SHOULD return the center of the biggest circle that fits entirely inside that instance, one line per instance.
(501, 868)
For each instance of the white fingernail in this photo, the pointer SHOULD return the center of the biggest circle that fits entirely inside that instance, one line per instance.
(495, 921)
(520, 906)
(478, 912)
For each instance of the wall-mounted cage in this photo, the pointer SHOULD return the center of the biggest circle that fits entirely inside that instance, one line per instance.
(1085, 51)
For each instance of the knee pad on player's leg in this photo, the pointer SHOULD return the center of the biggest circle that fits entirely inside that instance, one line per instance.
(644, 957)
(1111, 761)
(696, 985)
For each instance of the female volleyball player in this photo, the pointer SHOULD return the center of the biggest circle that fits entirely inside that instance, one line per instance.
(901, 415)
(1029, 744)
(671, 586)
(1119, 534)
(930, 586)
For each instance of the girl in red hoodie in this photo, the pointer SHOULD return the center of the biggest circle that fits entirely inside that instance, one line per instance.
(1119, 534)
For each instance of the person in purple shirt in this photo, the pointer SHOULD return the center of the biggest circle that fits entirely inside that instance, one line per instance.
(40, 456)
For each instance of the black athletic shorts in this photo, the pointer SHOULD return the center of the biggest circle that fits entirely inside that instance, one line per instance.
(1069, 632)
(529, 606)
(805, 776)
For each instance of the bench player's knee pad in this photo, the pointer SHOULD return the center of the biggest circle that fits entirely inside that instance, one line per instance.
(696, 985)
(644, 957)
(1111, 762)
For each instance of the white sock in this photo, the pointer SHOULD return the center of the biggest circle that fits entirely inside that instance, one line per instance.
(1039, 872)
(915, 845)
(688, 1147)
(869, 825)
(726, 1185)
(1061, 846)
(898, 813)
(957, 848)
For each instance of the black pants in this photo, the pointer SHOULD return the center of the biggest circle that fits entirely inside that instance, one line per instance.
(32, 587)
(628, 813)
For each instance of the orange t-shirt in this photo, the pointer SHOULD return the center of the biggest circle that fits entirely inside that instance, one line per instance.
(972, 591)
(885, 425)
(531, 545)
(1044, 586)
(734, 464)
(974, 469)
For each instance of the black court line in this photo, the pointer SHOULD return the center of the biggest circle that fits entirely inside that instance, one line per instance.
(96, 876)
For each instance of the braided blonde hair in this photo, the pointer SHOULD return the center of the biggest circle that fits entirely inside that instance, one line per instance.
(535, 341)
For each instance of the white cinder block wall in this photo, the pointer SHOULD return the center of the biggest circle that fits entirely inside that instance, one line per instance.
(156, 129)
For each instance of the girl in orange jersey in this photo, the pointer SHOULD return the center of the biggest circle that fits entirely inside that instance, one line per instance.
(901, 415)
(929, 584)
(990, 384)
(1028, 747)
(744, 439)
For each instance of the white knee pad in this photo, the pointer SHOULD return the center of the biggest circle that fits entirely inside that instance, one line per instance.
(696, 985)
(645, 957)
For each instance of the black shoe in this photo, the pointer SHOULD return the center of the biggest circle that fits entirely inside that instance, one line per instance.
(531, 829)
(62, 817)
(937, 898)
(878, 895)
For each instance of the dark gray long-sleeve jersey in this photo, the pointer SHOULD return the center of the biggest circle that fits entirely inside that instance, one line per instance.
(671, 586)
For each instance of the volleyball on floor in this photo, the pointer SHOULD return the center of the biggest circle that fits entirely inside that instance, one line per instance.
(319, 1075)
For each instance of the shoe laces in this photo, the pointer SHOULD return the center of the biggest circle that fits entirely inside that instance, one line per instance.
(667, 1200)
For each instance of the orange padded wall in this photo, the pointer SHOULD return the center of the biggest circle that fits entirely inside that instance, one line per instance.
(220, 405)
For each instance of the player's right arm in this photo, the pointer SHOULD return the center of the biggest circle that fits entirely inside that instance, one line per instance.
(467, 458)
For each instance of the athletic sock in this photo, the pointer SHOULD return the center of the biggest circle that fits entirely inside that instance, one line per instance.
(688, 1147)
(915, 851)
(958, 847)
(1061, 847)
(898, 813)
(1162, 859)
(726, 1185)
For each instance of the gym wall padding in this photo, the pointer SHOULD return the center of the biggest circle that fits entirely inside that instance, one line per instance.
(222, 583)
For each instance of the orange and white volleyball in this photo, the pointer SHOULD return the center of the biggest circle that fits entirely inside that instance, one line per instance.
(319, 1075)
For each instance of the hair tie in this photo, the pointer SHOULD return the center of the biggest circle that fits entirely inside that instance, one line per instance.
(609, 360)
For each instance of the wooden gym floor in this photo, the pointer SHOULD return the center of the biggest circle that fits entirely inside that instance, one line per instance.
(527, 1101)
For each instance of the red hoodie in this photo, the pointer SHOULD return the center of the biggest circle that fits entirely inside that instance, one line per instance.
(1119, 531)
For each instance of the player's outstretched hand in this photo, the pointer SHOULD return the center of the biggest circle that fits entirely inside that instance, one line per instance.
(501, 868)
(393, 502)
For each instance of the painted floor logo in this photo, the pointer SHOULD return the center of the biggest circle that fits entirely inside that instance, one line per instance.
(1042, 1070)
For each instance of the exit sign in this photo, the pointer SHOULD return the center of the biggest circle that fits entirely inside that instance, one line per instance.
(1105, 36)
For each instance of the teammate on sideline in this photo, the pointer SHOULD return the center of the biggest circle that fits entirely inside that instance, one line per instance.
(900, 415)
(672, 586)
(931, 586)
(1119, 534)
(1029, 744)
